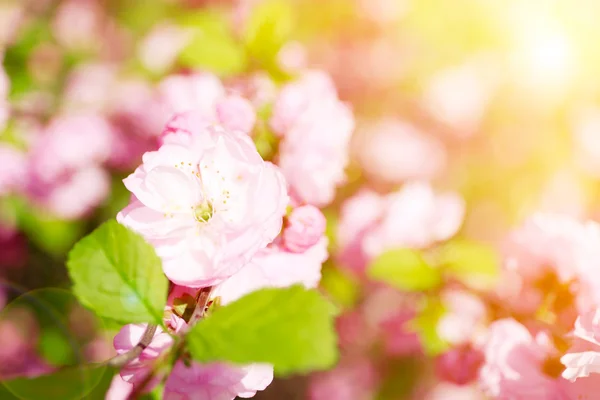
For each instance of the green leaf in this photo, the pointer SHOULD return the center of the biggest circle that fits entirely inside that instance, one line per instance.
(54, 236)
(213, 46)
(117, 274)
(475, 264)
(72, 383)
(268, 28)
(425, 325)
(340, 286)
(291, 328)
(404, 269)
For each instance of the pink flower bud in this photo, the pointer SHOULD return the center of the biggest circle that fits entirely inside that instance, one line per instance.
(305, 227)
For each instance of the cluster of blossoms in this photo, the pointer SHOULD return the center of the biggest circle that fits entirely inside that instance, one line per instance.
(530, 336)
(221, 220)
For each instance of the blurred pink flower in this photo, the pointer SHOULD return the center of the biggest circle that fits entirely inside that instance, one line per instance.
(349, 380)
(358, 215)
(392, 151)
(65, 173)
(316, 128)
(415, 217)
(514, 361)
(561, 247)
(77, 24)
(13, 169)
(399, 339)
(70, 143)
(76, 195)
(305, 226)
(459, 96)
(89, 87)
(465, 317)
(583, 358)
(158, 51)
(204, 94)
(292, 57)
(208, 203)
(459, 365)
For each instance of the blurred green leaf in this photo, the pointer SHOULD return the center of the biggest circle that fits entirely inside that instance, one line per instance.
(54, 236)
(268, 28)
(340, 286)
(117, 274)
(291, 328)
(213, 47)
(475, 264)
(425, 325)
(404, 269)
(55, 347)
(72, 383)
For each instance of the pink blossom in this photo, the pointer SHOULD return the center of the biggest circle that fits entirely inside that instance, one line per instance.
(207, 203)
(459, 365)
(119, 389)
(460, 95)
(160, 48)
(271, 267)
(415, 217)
(583, 358)
(206, 95)
(127, 338)
(70, 143)
(275, 267)
(358, 215)
(316, 129)
(399, 340)
(77, 194)
(350, 380)
(216, 381)
(88, 87)
(77, 24)
(65, 175)
(305, 227)
(514, 360)
(13, 169)
(561, 247)
(465, 317)
(292, 57)
(393, 151)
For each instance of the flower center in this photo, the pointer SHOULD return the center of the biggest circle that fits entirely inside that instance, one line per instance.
(204, 211)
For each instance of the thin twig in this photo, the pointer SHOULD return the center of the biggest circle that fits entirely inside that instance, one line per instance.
(202, 299)
(125, 358)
